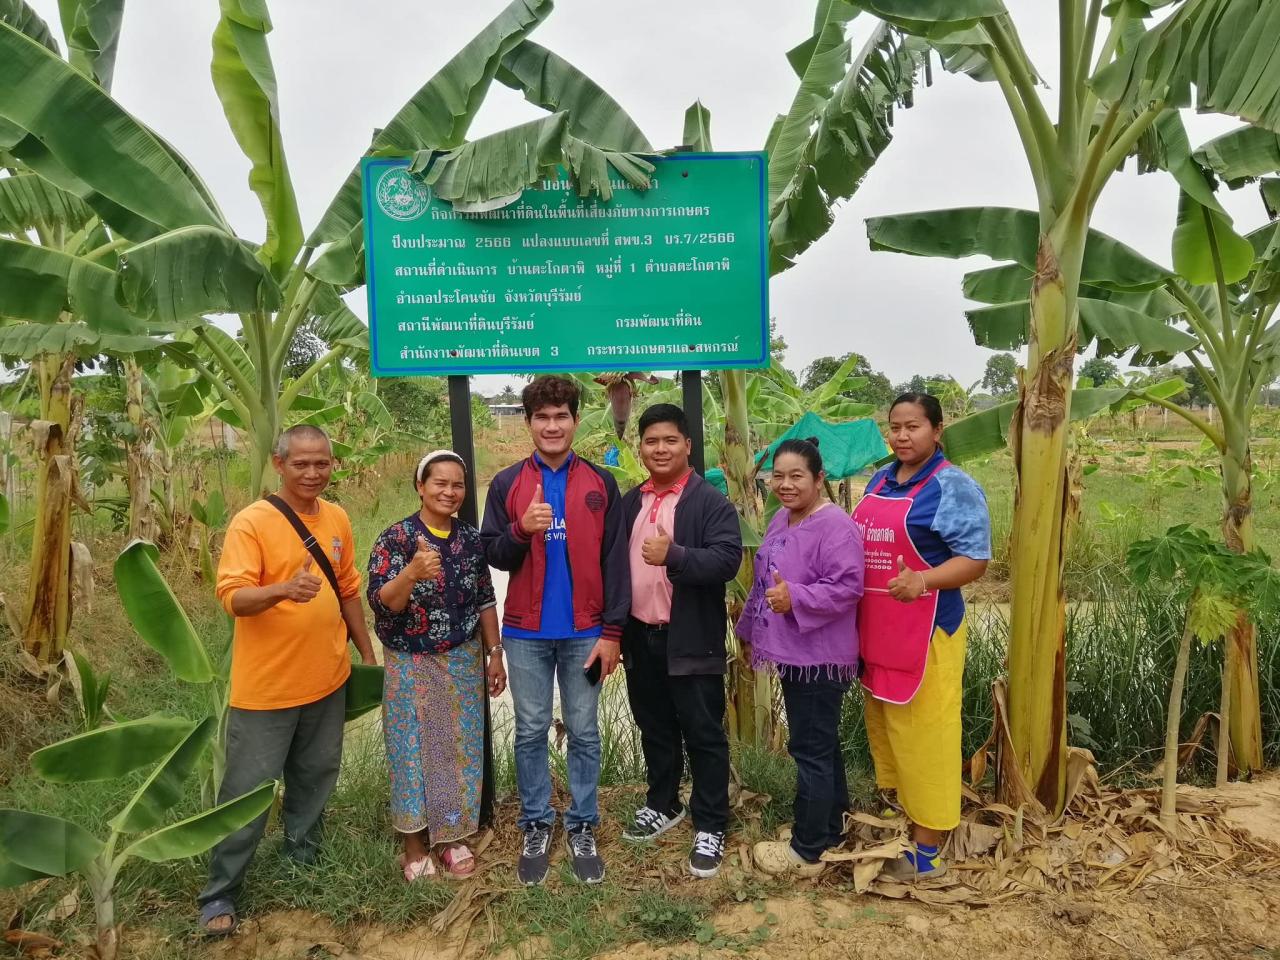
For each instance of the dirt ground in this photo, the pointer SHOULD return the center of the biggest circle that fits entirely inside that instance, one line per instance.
(1189, 923)
(1196, 918)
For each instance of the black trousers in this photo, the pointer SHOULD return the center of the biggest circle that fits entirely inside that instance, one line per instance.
(822, 793)
(675, 715)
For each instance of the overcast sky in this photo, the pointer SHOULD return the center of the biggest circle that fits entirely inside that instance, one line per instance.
(342, 73)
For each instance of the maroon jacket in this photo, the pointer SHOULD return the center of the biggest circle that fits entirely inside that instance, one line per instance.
(599, 566)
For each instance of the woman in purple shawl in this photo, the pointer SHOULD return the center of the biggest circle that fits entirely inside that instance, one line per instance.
(800, 620)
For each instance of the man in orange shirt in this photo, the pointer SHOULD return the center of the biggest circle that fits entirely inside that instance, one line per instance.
(289, 662)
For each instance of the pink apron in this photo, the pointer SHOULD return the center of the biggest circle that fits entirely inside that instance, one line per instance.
(893, 636)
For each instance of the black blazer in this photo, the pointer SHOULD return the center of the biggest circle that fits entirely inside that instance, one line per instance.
(705, 554)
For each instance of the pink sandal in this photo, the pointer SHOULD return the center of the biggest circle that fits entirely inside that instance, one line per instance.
(416, 869)
(458, 861)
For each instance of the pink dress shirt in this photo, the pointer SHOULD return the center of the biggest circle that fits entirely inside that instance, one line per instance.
(650, 588)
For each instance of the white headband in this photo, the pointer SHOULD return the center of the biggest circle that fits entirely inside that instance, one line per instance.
(432, 457)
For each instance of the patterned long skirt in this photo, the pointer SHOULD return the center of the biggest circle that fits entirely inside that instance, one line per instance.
(433, 716)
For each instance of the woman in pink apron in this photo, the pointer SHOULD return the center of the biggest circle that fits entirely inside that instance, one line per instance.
(926, 533)
(801, 624)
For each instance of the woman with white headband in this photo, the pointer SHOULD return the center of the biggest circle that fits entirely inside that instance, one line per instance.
(434, 611)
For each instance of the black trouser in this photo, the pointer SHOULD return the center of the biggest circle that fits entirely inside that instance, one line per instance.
(822, 794)
(671, 711)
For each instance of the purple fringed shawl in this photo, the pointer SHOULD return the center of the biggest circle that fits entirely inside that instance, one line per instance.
(820, 559)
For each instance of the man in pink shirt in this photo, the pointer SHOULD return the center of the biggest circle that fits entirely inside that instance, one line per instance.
(685, 545)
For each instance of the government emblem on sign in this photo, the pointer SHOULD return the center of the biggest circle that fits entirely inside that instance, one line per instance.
(402, 196)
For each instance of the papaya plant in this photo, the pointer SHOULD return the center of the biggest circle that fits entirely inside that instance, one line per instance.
(1218, 583)
(34, 846)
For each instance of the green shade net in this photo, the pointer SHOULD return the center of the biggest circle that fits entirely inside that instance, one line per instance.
(715, 477)
(846, 448)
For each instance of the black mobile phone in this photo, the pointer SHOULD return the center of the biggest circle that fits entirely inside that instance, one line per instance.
(592, 673)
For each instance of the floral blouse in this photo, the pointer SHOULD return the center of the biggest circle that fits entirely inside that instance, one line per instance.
(441, 613)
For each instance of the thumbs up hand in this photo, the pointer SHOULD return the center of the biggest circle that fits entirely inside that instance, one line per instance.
(303, 586)
(537, 516)
(778, 596)
(908, 585)
(425, 564)
(654, 549)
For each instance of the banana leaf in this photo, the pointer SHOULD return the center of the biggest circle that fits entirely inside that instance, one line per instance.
(1241, 155)
(1004, 233)
(29, 202)
(41, 284)
(245, 81)
(983, 433)
(84, 142)
(438, 116)
(838, 125)
(12, 875)
(49, 846)
(557, 86)
(156, 614)
(194, 835)
(498, 167)
(1224, 50)
(22, 18)
(1114, 326)
(1199, 229)
(164, 787)
(26, 341)
(364, 690)
(181, 275)
(110, 752)
(92, 29)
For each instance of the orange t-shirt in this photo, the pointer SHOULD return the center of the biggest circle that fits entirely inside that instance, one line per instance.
(292, 653)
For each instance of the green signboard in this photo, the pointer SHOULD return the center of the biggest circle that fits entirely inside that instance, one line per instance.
(669, 278)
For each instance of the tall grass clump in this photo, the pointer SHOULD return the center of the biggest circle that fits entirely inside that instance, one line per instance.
(1121, 648)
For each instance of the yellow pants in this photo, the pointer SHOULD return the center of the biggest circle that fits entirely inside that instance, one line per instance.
(916, 745)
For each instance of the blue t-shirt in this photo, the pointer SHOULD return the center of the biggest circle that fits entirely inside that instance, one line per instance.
(948, 518)
(557, 584)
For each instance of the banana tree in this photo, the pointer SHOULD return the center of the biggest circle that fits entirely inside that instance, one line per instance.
(1216, 274)
(35, 846)
(1110, 95)
(52, 251)
(1229, 287)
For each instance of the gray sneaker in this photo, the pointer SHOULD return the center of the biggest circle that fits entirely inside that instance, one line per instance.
(649, 824)
(535, 855)
(588, 865)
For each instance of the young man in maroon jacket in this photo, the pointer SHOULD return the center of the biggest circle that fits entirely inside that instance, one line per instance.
(554, 522)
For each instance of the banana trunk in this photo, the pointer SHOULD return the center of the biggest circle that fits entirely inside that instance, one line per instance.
(1244, 708)
(47, 614)
(1036, 771)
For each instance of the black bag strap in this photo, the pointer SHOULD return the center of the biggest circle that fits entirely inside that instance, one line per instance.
(308, 541)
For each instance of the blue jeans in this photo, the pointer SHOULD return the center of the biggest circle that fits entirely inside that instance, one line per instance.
(532, 666)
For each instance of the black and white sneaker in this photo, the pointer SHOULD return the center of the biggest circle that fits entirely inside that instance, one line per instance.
(588, 865)
(535, 855)
(706, 855)
(649, 823)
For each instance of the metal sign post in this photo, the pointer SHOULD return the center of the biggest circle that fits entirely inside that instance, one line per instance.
(464, 443)
(691, 387)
